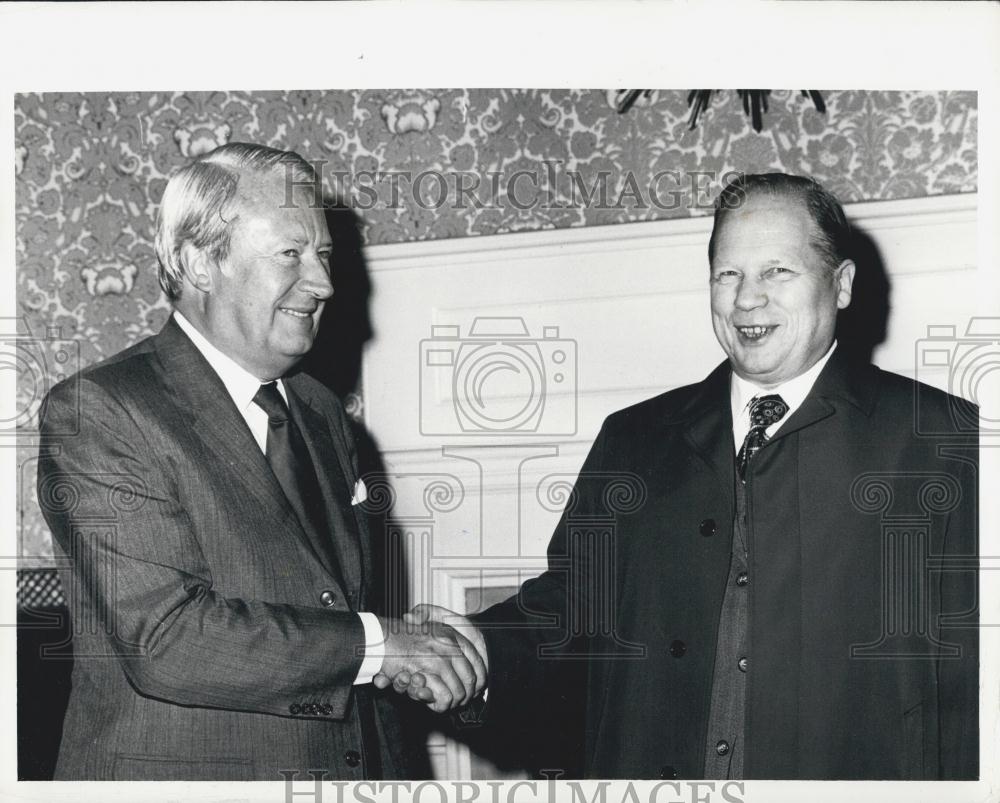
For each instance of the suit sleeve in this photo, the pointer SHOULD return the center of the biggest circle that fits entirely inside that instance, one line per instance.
(138, 570)
(528, 635)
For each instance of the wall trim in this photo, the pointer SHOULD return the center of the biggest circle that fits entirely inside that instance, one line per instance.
(871, 216)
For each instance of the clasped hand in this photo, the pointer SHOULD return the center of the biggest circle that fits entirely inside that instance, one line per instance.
(435, 656)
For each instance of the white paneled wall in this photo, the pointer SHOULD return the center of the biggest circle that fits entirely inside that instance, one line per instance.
(481, 431)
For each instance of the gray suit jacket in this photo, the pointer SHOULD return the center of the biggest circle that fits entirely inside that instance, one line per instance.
(210, 640)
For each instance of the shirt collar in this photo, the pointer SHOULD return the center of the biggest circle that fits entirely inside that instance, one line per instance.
(241, 384)
(793, 392)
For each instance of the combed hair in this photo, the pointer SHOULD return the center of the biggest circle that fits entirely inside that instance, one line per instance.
(833, 231)
(196, 196)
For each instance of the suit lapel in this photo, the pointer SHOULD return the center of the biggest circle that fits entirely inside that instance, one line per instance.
(839, 381)
(710, 424)
(324, 441)
(709, 417)
(214, 418)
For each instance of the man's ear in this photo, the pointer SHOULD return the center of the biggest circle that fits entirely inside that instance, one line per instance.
(197, 268)
(844, 278)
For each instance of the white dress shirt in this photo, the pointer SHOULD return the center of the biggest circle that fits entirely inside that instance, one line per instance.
(793, 392)
(242, 387)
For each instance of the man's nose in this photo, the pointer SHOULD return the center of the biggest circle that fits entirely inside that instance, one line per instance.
(316, 279)
(750, 294)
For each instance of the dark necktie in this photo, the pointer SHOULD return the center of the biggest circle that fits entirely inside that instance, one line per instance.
(764, 411)
(289, 459)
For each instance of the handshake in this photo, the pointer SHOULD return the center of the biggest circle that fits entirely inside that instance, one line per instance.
(435, 656)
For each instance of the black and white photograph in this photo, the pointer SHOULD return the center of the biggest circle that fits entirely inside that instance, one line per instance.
(494, 438)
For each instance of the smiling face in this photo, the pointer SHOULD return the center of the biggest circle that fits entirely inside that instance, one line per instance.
(774, 299)
(265, 298)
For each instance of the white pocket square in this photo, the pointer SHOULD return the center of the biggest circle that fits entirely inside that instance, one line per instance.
(360, 493)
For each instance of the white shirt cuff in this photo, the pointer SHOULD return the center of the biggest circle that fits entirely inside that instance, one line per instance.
(374, 648)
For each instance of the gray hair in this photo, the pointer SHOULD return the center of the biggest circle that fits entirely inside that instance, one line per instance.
(196, 195)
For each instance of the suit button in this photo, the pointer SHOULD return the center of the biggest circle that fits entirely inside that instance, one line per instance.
(678, 648)
(327, 709)
(722, 747)
(668, 773)
(742, 579)
(472, 713)
(328, 599)
(707, 527)
(352, 758)
(295, 709)
(742, 664)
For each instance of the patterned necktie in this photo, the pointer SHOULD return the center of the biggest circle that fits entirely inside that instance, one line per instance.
(289, 459)
(764, 411)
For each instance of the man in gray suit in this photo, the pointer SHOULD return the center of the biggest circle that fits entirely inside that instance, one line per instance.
(208, 503)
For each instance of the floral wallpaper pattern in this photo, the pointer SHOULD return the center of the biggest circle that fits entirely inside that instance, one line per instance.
(90, 170)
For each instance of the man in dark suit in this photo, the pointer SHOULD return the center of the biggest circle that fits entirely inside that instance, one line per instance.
(207, 498)
(788, 588)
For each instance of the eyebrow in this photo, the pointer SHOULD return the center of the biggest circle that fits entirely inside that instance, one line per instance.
(769, 263)
(298, 240)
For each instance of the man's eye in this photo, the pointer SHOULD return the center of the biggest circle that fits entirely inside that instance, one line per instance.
(291, 252)
(726, 277)
(779, 272)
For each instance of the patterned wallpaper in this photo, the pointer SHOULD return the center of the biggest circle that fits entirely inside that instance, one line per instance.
(429, 164)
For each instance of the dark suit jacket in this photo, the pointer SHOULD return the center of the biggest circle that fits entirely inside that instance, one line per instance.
(862, 534)
(210, 640)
